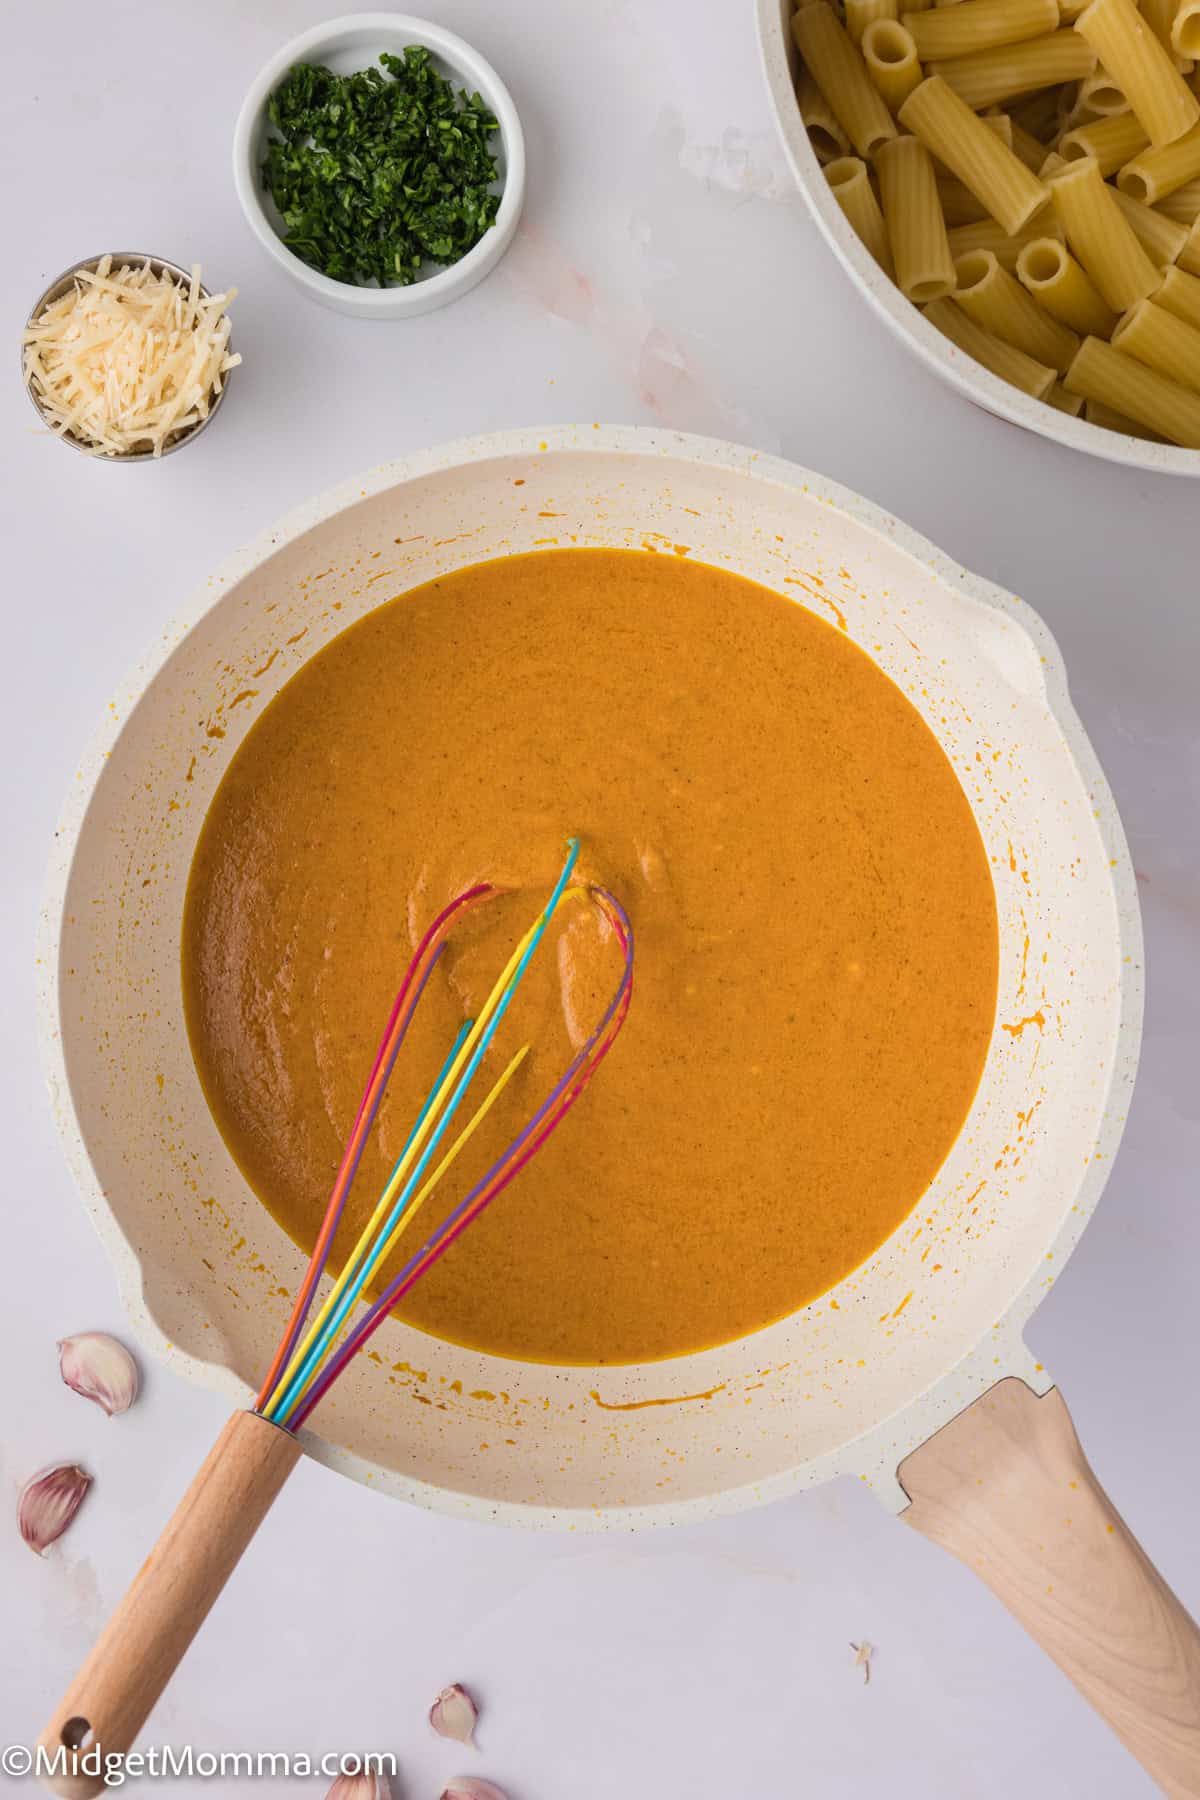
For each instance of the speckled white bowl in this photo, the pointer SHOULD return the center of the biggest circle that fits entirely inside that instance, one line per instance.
(851, 1382)
(945, 359)
(356, 42)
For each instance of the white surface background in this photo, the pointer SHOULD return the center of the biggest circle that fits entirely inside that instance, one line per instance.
(666, 273)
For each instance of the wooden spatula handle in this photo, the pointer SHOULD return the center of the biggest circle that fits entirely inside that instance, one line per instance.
(1006, 1487)
(143, 1643)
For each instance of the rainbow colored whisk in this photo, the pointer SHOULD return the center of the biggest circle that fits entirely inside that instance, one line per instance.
(313, 1354)
(130, 1664)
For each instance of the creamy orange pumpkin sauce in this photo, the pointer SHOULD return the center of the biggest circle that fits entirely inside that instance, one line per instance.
(815, 942)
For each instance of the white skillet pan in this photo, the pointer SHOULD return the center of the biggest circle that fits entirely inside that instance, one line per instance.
(912, 1374)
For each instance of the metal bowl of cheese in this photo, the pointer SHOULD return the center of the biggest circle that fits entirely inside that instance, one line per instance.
(159, 265)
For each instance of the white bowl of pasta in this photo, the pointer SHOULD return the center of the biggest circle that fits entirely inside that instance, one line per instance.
(985, 179)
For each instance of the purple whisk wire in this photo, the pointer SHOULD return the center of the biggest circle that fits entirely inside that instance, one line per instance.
(594, 1047)
(315, 1273)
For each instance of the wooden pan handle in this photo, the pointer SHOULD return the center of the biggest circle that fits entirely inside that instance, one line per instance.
(145, 1640)
(1007, 1489)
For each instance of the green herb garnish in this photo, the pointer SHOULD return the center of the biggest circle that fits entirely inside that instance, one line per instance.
(375, 176)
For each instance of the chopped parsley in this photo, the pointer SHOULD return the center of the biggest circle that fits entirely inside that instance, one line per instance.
(375, 174)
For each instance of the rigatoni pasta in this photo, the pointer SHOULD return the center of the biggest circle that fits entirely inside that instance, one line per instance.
(996, 300)
(1098, 233)
(915, 226)
(990, 77)
(1050, 274)
(891, 58)
(1130, 52)
(1007, 190)
(953, 133)
(1161, 238)
(824, 133)
(1183, 205)
(861, 13)
(839, 71)
(1002, 359)
(1096, 413)
(979, 25)
(851, 184)
(1113, 142)
(1098, 96)
(1106, 375)
(988, 235)
(1189, 257)
(1153, 174)
(1161, 341)
(1180, 294)
(1185, 28)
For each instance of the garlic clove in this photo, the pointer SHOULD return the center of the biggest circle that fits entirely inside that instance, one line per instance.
(453, 1715)
(48, 1502)
(472, 1787)
(359, 1787)
(98, 1367)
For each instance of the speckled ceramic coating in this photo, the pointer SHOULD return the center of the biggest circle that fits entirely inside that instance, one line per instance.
(852, 1382)
(935, 351)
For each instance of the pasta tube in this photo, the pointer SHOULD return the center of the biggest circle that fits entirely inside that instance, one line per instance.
(1002, 359)
(1185, 29)
(1048, 272)
(824, 133)
(988, 235)
(851, 184)
(891, 58)
(1096, 413)
(1062, 401)
(979, 25)
(947, 127)
(997, 301)
(1106, 375)
(915, 226)
(860, 14)
(1098, 233)
(1183, 205)
(1132, 54)
(1161, 341)
(1189, 257)
(1153, 174)
(1161, 238)
(1099, 97)
(990, 76)
(1111, 141)
(838, 69)
(1180, 294)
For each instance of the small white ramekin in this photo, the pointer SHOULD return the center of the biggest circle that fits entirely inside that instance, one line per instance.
(903, 319)
(356, 42)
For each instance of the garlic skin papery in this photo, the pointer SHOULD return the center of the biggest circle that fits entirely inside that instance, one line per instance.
(98, 1367)
(359, 1787)
(472, 1787)
(453, 1715)
(48, 1502)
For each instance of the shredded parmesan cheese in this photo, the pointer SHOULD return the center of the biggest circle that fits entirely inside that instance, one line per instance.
(128, 359)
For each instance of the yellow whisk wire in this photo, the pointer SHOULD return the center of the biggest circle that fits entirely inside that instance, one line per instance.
(412, 1150)
(423, 1193)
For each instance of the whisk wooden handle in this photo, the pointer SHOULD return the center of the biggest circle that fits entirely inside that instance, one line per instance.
(144, 1642)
